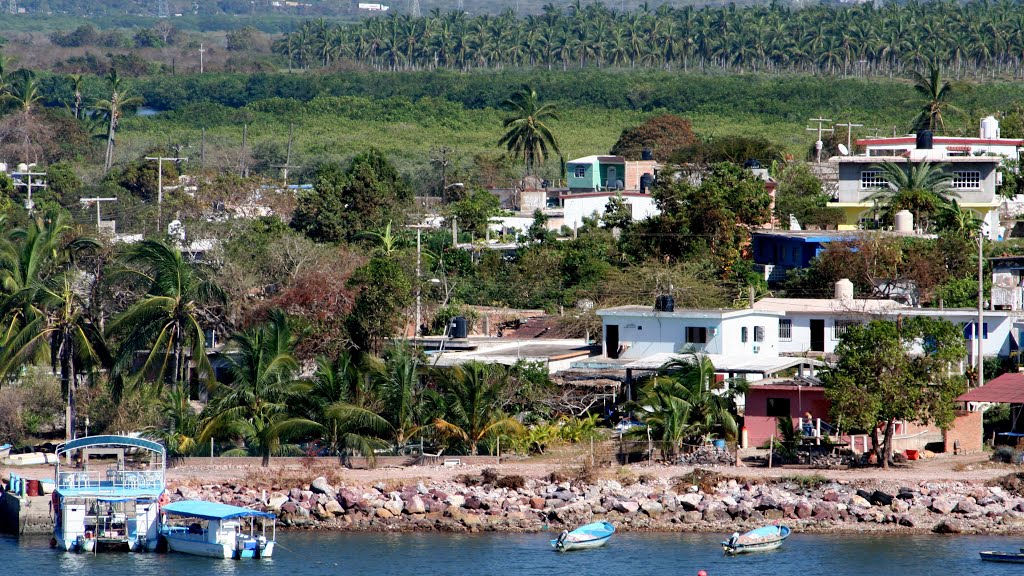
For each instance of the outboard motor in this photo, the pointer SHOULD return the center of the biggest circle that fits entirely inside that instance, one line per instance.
(560, 543)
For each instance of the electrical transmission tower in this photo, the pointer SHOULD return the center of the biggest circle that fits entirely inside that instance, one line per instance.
(12, 6)
(162, 9)
(461, 7)
(414, 11)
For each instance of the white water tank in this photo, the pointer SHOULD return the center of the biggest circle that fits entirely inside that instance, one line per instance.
(904, 221)
(844, 289)
(989, 127)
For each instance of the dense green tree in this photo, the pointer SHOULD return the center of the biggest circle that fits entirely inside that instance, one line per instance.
(345, 203)
(474, 212)
(799, 194)
(891, 371)
(383, 294)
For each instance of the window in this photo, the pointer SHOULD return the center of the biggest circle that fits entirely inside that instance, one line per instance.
(970, 330)
(871, 179)
(786, 330)
(758, 333)
(840, 326)
(580, 171)
(777, 407)
(696, 335)
(966, 180)
(743, 334)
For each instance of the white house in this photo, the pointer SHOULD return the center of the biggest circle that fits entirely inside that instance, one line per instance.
(815, 325)
(987, 143)
(578, 206)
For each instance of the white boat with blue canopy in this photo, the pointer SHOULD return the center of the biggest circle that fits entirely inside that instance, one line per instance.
(759, 540)
(217, 530)
(107, 494)
(585, 537)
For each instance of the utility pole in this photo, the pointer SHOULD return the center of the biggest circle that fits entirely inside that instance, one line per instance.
(980, 332)
(25, 179)
(98, 201)
(202, 148)
(243, 170)
(455, 232)
(287, 159)
(818, 144)
(160, 185)
(849, 134)
(419, 285)
(201, 51)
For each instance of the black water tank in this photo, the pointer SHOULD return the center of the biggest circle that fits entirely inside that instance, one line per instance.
(668, 303)
(752, 164)
(459, 327)
(924, 140)
(659, 303)
(646, 180)
(647, 154)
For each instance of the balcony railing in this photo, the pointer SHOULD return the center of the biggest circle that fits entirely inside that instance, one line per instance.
(111, 480)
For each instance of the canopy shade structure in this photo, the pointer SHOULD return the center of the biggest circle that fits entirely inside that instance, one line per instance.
(1008, 389)
(111, 440)
(212, 510)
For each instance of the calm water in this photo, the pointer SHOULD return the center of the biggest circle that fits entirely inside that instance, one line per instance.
(302, 554)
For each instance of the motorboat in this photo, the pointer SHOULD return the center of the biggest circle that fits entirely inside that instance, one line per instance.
(217, 530)
(1007, 557)
(758, 540)
(585, 537)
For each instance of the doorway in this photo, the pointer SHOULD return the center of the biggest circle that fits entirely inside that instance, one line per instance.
(817, 335)
(611, 340)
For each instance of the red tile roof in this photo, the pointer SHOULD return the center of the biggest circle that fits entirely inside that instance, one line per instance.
(1008, 388)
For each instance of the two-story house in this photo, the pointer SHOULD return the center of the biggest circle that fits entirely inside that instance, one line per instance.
(973, 182)
(594, 180)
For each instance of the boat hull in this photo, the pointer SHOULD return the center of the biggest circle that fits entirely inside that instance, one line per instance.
(197, 548)
(762, 539)
(585, 545)
(1006, 557)
(741, 549)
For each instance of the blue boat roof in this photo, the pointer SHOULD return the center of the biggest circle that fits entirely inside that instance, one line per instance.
(212, 510)
(110, 440)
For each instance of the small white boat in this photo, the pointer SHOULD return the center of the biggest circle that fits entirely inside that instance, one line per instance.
(585, 537)
(1007, 557)
(758, 540)
(217, 530)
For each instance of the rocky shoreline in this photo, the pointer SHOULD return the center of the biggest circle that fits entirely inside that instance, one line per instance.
(704, 501)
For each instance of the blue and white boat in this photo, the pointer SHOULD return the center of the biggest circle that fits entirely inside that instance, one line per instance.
(1007, 557)
(585, 537)
(217, 530)
(758, 540)
(107, 493)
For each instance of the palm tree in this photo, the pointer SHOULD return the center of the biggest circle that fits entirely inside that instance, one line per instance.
(256, 404)
(348, 408)
(958, 221)
(470, 403)
(528, 134)
(77, 83)
(181, 425)
(935, 92)
(112, 108)
(167, 318)
(922, 188)
(44, 318)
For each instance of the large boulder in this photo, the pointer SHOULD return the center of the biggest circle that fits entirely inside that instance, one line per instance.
(320, 485)
(415, 505)
(942, 506)
(456, 500)
(275, 501)
(629, 507)
(690, 501)
(334, 507)
(966, 506)
(652, 508)
(948, 526)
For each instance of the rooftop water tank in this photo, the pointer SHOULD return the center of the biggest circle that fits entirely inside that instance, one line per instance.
(646, 180)
(460, 328)
(904, 221)
(844, 289)
(924, 140)
(647, 154)
(989, 127)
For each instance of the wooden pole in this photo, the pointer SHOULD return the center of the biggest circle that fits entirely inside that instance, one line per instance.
(771, 450)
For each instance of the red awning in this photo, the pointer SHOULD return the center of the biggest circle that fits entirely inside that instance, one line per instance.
(1008, 388)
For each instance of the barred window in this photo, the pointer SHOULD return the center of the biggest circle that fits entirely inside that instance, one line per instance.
(580, 171)
(840, 326)
(758, 333)
(786, 330)
(696, 335)
(743, 334)
(871, 179)
(966, 180)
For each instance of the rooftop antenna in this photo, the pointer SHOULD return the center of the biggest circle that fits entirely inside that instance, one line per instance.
(287, 159)
(818, 144)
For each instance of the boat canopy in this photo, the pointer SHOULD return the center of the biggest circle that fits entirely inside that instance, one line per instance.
(110, 440)
(212, 510)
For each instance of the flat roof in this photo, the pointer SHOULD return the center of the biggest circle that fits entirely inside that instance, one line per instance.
(952, 140)
(855, 306)
(750, 364)
(1008, 388)
(599, 159)
(831, 235)
(901, 159)
(701, 313)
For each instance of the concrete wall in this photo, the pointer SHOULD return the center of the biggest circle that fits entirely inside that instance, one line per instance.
(850, 174)
(661, 333)
(968, 430)
(761, 427)
(578, 206)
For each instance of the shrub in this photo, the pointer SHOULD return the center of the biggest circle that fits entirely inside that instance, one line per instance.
(489, 476)
(511, 482)
(625, 476)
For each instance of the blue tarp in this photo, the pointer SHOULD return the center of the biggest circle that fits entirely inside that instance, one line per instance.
(212, 510)
(90, 441)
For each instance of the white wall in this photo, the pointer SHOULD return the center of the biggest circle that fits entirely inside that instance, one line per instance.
(576, 207)
(662, 333)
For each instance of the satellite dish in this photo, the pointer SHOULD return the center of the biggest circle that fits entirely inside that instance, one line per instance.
(844, 150)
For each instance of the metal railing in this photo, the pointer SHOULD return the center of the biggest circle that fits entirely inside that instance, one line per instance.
(111, 480)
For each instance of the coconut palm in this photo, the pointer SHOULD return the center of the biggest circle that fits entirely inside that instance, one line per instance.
(348, 408)
(921, 187)
(957, 221)
(935, 93)
(119, 101)
(181, 425)
(167, 319)
(528, 134)
(470, 403)
(256, 405)
(77, 83)
(45, 319)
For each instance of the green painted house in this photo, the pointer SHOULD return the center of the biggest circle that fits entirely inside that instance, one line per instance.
(595, 173)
